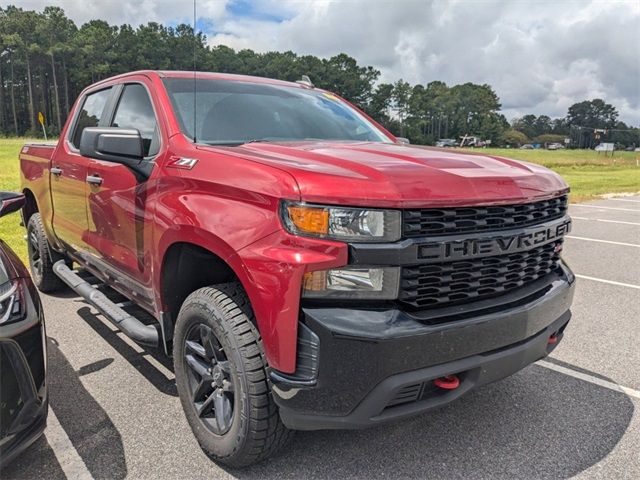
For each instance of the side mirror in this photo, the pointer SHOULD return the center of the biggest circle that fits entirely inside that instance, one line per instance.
(10, 202)
(119, 145)
(402, 141)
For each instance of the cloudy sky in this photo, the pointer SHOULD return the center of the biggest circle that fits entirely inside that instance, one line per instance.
(540, 56)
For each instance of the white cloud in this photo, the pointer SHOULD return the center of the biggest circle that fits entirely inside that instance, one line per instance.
(540, 56)
(133, 12)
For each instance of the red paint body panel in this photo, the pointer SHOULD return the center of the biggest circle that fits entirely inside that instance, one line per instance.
(228, 204)
(399, 176)
(35, 161)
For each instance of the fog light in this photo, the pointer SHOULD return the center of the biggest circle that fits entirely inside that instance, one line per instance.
(354, 283)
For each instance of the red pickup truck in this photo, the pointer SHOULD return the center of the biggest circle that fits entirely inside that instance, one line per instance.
(305, 268)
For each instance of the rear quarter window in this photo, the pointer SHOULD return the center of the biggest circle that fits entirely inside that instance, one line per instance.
(90, 113)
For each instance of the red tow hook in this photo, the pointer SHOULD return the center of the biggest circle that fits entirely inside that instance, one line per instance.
(553, 339)
(450, 382)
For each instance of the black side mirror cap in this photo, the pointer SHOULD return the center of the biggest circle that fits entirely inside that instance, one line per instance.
(120, 145)
(10, 202)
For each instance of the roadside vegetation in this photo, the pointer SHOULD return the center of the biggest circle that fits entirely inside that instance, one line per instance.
(590, 174)
(10, 230)
(46, 60)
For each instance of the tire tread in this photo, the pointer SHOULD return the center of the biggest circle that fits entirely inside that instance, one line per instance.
(266, 434)
(49, 281)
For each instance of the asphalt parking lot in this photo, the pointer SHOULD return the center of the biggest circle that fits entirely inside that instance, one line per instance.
(115, 412)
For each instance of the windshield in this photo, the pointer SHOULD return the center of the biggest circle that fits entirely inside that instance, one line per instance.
(236, 112)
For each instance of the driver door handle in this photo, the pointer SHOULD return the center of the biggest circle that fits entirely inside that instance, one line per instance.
(56, 171)
(94, 179)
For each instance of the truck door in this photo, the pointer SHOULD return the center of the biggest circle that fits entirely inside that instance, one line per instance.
(119, 232)
(69, 173)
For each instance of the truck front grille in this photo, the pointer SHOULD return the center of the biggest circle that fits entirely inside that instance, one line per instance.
(450, 283)
(452, 221)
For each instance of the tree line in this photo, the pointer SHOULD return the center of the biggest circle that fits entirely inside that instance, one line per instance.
(46, 60)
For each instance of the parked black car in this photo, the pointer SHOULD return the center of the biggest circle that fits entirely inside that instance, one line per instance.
(23, 389)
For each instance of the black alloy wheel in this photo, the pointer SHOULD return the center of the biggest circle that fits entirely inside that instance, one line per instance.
(222, 377)
(42, 257)
(210, 379)
(33, 248)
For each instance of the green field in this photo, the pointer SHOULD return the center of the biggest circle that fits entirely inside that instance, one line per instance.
(10, 229)
(588, 173)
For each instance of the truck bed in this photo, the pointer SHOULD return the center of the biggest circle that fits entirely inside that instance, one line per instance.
(35, 158)
(42, 150)
(35, 162)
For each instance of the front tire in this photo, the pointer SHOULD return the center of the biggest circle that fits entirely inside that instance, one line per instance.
(222, 379)
(42, 257)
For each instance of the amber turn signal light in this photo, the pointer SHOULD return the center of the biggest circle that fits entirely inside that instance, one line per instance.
(309, 219)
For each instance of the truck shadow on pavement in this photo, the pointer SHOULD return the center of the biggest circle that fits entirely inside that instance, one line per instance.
(536, 424)
(136, 359)
(89, 428)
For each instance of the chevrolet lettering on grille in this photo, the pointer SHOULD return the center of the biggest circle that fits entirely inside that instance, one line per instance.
(524, 239)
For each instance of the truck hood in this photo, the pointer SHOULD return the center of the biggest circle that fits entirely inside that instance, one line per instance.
(401, 176)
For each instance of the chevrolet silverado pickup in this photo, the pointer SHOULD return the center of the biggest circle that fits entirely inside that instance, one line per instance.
(305, 269)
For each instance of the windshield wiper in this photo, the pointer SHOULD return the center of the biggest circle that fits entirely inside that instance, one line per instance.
(223, 143)
(264, 140)
(235, 143)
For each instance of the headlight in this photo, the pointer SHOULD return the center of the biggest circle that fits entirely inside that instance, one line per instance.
(11, 303)
(352, 283)
(338, 223)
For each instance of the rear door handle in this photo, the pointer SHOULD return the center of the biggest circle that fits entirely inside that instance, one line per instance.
(94, 180)
(56, 171)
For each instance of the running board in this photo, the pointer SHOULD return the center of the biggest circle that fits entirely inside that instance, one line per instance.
(128, 324)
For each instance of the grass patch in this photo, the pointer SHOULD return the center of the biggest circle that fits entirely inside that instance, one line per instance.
(588, 173)
(10, 230)
(551, 158)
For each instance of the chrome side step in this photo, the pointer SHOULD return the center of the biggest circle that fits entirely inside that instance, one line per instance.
(128, 324)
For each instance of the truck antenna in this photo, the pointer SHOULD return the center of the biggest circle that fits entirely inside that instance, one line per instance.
(194, 71)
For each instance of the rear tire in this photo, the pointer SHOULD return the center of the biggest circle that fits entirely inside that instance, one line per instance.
(222, 379)
(42, 257)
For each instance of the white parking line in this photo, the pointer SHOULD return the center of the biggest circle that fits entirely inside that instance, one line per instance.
(580, 205)
(603, 241)
(573, 217)
(610, 282)
(70, 461)
(589, 378)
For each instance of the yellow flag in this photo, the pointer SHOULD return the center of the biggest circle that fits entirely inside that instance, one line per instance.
(41, 118)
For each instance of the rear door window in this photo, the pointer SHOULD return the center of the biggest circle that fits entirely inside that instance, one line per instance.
(90, 113)
(136, 111)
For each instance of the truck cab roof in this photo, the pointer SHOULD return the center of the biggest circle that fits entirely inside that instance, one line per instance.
(201, 75)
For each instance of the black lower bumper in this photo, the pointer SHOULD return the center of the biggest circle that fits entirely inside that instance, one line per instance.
(23, 389)
(22, 439)
(379, 365)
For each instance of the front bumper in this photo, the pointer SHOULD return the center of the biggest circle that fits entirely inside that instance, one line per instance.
(375, 366)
